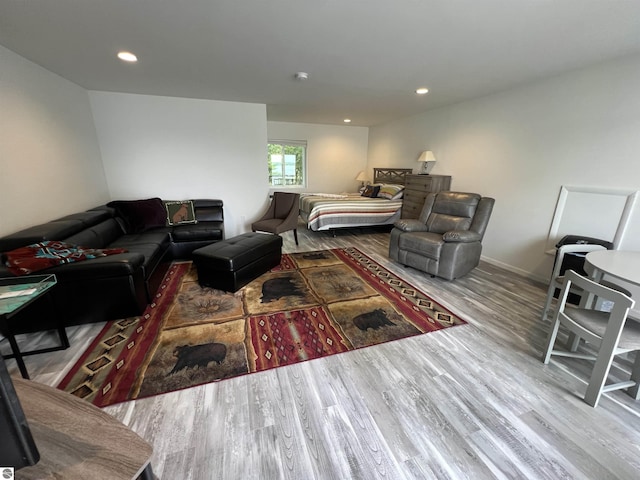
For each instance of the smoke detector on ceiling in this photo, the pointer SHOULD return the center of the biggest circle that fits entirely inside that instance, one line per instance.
(302, 76)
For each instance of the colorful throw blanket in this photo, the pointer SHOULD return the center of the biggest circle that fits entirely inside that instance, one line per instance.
(29, 259)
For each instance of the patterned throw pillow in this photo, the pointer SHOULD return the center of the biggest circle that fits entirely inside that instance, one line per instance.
(389, 191)
(371, 191)
(398, 195)
(179, 213)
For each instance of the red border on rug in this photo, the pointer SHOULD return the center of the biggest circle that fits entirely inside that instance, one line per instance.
(116, 388)
(146, 334)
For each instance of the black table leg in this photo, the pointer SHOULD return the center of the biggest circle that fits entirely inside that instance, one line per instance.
(147, 474)
(17, 354)
(14, 348)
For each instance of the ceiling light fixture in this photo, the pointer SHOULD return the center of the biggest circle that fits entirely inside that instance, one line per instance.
(302, 76)
(127, 57)
(347, 120)
(422, 91)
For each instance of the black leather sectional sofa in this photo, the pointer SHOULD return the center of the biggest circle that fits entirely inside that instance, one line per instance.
(115, 286)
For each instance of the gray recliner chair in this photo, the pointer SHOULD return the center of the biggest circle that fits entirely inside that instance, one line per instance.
(446, 240)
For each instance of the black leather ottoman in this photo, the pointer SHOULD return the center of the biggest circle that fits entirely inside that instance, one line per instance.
(230, 264)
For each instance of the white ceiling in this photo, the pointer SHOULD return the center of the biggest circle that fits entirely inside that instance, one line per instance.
(365, 58)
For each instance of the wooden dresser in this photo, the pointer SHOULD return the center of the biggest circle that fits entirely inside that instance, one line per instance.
(416, 189)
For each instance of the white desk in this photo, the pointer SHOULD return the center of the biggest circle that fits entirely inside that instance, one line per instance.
(621, 264)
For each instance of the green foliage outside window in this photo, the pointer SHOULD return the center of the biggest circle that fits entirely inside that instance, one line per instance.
(286, 161)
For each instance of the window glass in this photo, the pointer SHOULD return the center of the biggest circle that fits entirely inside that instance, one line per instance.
(287, 163)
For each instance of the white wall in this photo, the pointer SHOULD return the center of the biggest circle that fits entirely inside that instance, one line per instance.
(335, 154)
(180, 148)
(49, 157)
(522, 145)
(518, 146)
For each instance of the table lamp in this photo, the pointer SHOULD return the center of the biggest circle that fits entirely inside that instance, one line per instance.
(428, 161)
(362, 178)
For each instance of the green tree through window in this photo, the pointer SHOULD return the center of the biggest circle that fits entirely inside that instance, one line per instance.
(287, 163)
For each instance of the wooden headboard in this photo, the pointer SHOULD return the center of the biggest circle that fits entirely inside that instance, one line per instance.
(391, 175)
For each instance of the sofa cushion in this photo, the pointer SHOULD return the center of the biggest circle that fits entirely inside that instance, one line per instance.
(89, 218)
(159, 238)
(140, 215)
(208, 210)
(101, 235)
(153, 246)
(212, 231)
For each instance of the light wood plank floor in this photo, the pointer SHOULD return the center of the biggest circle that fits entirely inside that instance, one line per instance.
(472, 401)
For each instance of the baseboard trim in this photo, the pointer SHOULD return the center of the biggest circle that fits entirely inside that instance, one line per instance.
(634, 312)
(519, 271)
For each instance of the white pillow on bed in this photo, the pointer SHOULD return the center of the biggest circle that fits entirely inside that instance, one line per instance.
(390, 191)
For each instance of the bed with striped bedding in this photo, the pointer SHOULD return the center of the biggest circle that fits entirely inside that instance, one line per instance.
(331, 211)
(326, 213)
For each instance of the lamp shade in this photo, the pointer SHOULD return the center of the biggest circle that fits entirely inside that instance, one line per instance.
(427, 156)
(362, 177)
(428, 160)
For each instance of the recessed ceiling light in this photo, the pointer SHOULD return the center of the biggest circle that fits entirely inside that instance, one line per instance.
(422, 91)
(301, 75)
(127, 57)
(347, 120)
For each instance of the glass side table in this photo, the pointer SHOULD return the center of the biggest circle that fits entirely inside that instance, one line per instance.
(16, 294)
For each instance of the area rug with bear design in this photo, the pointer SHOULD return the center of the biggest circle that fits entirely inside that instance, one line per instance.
(312, 305)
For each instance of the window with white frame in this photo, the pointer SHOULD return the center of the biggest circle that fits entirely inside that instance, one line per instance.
(287, 161)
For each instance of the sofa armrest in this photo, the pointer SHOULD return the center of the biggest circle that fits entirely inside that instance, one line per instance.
(410, 225)
(121, 264)
(461, 236)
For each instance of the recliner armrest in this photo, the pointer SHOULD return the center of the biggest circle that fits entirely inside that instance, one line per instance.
(461, 236)
(411, 225)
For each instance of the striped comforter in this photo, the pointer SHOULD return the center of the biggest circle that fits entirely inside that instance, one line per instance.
(323, 213)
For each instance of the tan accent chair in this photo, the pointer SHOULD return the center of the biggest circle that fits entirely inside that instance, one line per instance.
(446, 240)
(281, 216)
(608, 332)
